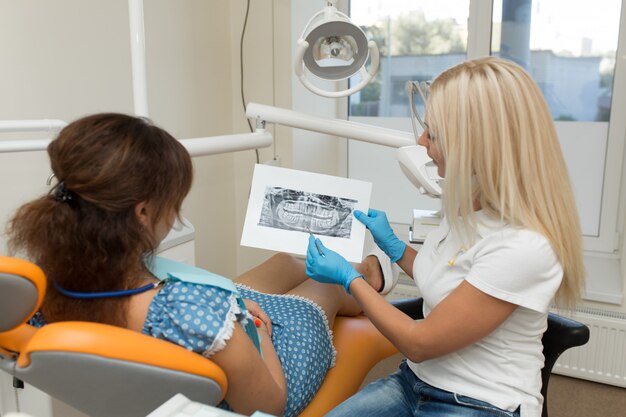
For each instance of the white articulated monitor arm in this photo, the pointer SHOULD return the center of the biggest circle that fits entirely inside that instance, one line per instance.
(413, 160)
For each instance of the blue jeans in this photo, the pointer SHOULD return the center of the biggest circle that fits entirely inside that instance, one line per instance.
(403, 394)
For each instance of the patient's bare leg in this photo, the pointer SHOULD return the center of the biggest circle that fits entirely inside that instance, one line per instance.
(333, 299)
(277, 275)
(285, 274)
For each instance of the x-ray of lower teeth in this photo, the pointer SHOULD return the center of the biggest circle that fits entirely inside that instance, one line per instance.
(303, 211)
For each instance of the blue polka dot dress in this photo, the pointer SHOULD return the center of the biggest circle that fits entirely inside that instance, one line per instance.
(303, 342)
(201, 318)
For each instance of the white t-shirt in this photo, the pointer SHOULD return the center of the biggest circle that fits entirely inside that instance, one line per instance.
(515, 265)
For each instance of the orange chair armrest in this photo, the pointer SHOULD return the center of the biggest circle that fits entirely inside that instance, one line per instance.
(121, 344)
(14, 340)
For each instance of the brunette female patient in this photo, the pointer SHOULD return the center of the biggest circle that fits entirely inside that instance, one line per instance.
(121, 183)
(508, 244)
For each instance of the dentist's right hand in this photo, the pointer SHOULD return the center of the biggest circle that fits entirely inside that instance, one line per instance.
(377, 223)
(329, 267)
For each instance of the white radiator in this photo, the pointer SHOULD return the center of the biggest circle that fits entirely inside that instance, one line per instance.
(603, 358)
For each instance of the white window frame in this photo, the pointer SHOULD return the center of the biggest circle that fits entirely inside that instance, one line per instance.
(603, 259)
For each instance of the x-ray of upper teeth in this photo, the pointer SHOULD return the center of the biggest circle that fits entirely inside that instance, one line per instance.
(304, 211)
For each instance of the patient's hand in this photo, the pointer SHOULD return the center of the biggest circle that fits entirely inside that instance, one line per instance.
(256, 311)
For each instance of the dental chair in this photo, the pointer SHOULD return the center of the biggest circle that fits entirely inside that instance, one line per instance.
(105, 371)
(562, 333)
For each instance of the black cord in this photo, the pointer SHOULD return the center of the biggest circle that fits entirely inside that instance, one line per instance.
(243, 98)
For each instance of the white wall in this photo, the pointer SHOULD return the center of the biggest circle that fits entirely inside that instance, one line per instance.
(189, 81)
(68, 58)
(52, 61)
(267, 80)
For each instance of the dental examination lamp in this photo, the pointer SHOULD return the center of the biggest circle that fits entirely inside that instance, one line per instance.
(333, 48)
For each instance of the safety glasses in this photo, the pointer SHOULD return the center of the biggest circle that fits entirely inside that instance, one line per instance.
(421, 88)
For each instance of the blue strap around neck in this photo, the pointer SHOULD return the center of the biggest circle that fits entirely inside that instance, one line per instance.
(103, 294)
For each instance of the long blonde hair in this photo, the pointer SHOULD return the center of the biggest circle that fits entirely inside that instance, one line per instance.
(501, 151)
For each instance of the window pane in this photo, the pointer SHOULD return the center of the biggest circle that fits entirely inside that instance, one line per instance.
(568, 46)
(417, 40)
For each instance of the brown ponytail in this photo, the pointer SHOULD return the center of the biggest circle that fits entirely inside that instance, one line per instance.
(84, 233)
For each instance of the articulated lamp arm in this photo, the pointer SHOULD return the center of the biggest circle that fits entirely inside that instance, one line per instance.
(210, 145)
(413, 160)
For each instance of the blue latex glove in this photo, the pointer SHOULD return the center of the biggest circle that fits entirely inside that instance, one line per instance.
(377, 223)
(330, 267)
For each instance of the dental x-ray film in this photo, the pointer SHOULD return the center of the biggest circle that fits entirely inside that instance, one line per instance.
(285, 205)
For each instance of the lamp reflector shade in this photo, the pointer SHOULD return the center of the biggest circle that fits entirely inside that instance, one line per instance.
(339, 50)
(335, 49)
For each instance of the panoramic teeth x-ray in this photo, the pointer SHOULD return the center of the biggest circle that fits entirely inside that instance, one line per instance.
(303, 211)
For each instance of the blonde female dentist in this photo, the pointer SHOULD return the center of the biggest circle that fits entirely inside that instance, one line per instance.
(508, 245)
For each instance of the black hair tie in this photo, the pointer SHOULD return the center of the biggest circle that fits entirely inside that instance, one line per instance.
(62, 194)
